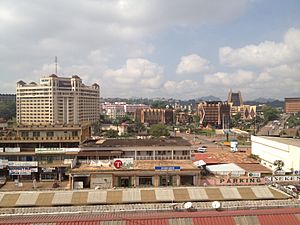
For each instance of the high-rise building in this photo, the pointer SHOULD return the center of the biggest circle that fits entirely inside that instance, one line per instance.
(247, 112)
(292, 105)
(235, 98)
(57, 100)
(215, 113)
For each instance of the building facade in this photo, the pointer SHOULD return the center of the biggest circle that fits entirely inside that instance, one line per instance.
(215, 113)
(57, 100)
(120, 109)
(292, 105)
(247, 112)
(271, 149)
(155, 116)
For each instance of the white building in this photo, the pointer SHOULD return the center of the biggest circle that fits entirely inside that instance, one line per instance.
(57, 100)
(120, 109)
(270, 149)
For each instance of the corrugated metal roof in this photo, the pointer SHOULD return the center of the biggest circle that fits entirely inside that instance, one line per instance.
(289, 219)
(214, 221)
(284, 216)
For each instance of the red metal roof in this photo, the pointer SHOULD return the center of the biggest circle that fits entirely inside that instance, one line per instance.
(278, 220)
(207, 158)
(214, 221)
(148, 222)
(284, 216)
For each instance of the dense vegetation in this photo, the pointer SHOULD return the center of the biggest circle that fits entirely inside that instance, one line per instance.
(294, 120)
(8, 110)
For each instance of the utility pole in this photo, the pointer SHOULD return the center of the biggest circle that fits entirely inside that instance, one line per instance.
(55, 60)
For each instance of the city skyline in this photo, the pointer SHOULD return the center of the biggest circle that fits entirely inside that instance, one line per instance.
(171, 49)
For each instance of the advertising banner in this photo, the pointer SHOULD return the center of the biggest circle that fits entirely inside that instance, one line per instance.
(22, 171)
(22, 163)
(123, 163)
(49, 150)
(17, 149)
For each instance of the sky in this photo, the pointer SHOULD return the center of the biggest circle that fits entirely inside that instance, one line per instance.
(182, 49)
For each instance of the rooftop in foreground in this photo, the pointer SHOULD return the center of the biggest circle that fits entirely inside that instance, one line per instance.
(289, 216)
(138, 195)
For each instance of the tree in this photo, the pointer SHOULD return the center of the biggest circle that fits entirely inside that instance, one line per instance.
(96, 128)
(158, 130)
(270, 113)
(7, 110)
(111, 133)
(235, 119)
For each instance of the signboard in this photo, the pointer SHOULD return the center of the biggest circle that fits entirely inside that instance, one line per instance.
(3, 163)
(48, 170)
(167, 168)
(279, 172)
(232, 181)
(254, 174)
(49, 150)
(72, 149)
(22, 163)
(17, 149)
(282, 178)
(22, 171)
(123, 163)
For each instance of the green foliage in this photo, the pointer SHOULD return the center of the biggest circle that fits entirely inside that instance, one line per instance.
(159, 104)
(294, 120)
(205, 132)
(96, 128)
(111, 133)
(270, 113)
(158, 130)
(7, 110)
(236, 120)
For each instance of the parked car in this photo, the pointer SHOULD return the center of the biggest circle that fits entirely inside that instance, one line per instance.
(202, 149)
(291, 188)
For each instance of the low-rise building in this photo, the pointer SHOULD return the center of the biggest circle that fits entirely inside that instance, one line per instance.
(272, 149)
(41, 152)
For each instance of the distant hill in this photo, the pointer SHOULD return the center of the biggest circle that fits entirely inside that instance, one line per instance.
(209, 98)
(265, 100)
(270, 102)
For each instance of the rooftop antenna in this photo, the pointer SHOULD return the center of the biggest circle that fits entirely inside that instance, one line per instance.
(55, 65)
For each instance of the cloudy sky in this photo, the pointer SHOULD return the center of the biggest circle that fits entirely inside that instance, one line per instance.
(155, 48)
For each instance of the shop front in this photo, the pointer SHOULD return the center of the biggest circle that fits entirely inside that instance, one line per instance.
(52, 173)
(101, 181)
(145, 181)
(48, 173)
(19, 170)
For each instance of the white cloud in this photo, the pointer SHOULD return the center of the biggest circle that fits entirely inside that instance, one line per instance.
(265, 54)
(182, 89)
(192, 64)
(137, 73)
(239, 78)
